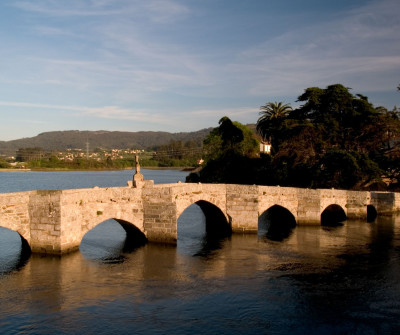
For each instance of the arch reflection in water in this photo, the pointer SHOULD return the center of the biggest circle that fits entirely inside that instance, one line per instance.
(276, 223)
(108, 241)
(371, 213)
(14, 251)
(202, 229)
(333, 215)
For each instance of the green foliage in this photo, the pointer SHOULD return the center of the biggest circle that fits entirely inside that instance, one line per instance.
(335, 139)
(230, 152)
(249, 146)
(4, 164)
(178, 153)
(230, 167)
(230, 136)
(53, 162)
(213, 145)
(343, 169)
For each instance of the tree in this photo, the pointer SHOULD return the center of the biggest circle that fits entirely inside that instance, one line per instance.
(212, 145)
(336, 138)
(271, 119)
(342, 118)
(229, 148)
(230, 136)
(346, 169)
(250, 146)
(3, 164)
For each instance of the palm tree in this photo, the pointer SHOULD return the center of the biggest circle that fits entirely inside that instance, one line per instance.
(272, 115)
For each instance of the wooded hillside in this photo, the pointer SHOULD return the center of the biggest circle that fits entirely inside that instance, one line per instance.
(71, 139)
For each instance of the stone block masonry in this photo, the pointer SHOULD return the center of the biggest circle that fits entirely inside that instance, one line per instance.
(45, 222)
(242, 204)
(54, 222)
(14, 213)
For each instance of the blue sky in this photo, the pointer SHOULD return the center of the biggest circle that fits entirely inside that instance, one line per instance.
(180, 65)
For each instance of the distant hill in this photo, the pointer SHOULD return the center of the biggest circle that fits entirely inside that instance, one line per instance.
(75, 139)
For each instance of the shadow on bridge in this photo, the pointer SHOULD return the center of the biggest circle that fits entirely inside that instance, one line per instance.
(276, 223)
(110, 240)
(15, 251)
(202, 229)
(333, 215)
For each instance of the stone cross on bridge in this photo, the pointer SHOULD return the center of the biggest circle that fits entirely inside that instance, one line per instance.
(54, 222)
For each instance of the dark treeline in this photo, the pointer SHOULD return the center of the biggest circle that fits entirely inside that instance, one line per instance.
(52, 162)
(176, 153)
(334, 139)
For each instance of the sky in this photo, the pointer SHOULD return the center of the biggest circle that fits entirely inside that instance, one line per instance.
(181, 65)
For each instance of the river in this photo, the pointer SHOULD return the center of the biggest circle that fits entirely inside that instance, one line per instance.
(318, 280)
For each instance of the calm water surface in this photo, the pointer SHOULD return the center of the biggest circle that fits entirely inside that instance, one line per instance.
(319, 280)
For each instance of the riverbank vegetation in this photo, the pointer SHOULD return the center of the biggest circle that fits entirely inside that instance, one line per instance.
(4, 164)
(334, 139)
(173, 154)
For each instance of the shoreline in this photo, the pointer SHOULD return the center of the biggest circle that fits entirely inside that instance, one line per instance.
(182, 168)
(12, 170)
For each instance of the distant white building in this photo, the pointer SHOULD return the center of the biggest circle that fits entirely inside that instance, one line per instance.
(265, 147)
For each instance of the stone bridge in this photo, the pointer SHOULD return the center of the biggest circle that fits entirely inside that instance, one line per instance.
(55, 222)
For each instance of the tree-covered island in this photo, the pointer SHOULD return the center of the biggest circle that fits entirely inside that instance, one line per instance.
(334, 139)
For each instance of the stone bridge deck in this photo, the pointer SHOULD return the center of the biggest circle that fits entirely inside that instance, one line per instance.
(55, 222)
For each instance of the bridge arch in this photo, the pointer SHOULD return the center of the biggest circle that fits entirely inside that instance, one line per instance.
(372, 213)
(200, 199)
(202, 229)
(333, 214)
(99, 217)
(291, 209)
(17, 256)
(23, 233)
(131, 239)
(216, 220)
(276, 223)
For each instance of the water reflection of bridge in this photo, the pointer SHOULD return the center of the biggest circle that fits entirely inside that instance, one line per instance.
(55, 221)
(312, 246)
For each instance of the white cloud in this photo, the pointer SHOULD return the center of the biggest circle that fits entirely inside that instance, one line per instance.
(353, 48)
(104, 112)
(165, 11)
(166, 118)
(140, 61)
(68, 8)
(158, 11)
